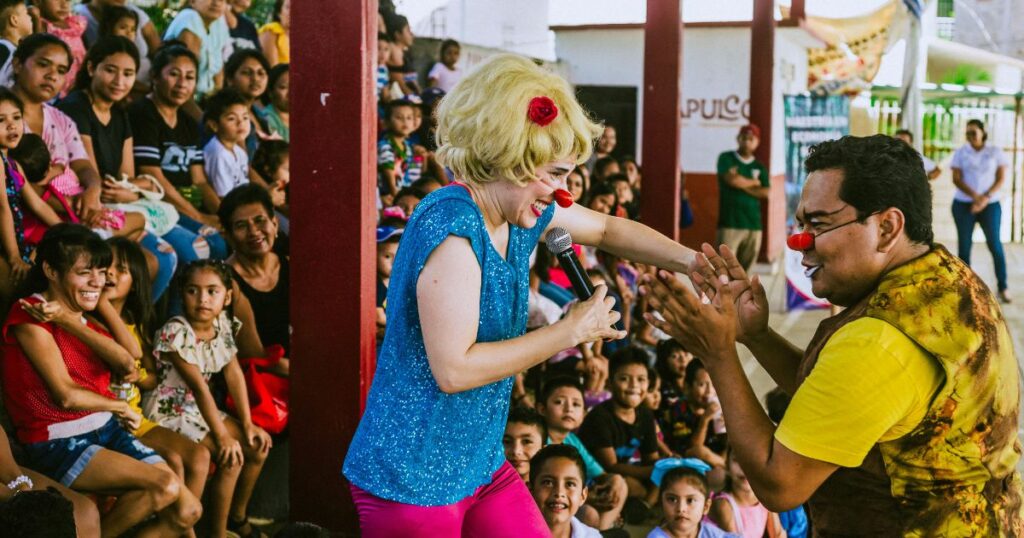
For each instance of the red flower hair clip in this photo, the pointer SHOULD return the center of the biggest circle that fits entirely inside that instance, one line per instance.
(542, 110)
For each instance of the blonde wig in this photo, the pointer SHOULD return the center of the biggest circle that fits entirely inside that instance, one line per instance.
(484, 132)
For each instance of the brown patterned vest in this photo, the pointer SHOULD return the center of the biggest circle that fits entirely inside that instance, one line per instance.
(955, 473)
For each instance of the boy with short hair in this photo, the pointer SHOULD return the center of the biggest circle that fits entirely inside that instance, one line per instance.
(15, 24)
(558, 482)
(561, 405)
(620, 432)
(226, 162)
(396, 164)
(525, 433)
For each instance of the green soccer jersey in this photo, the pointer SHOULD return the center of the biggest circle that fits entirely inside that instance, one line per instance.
(736, 208)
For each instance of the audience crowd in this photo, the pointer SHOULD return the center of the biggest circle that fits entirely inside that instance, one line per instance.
(144, 265)
(144, 276)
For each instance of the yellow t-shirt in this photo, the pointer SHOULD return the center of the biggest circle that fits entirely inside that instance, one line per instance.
(871, 383)
(283, 43)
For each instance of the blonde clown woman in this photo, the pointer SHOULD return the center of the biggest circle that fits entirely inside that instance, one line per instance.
(427, 458)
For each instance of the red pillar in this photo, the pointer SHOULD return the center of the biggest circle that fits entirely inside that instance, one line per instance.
(333, 246)
(663, 63)
(762, 74)
(797, 11)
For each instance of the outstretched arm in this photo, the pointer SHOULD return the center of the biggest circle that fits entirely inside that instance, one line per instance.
(623, 237)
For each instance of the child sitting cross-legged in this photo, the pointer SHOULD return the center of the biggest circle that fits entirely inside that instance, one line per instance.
(558, 481)
(524, 436)
(561, 405)
(620, 433)
(685, 502)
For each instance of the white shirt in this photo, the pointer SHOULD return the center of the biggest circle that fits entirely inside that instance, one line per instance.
(225, 169)
(978, 169)
(578, 530)
(7, 69)
(446, 78)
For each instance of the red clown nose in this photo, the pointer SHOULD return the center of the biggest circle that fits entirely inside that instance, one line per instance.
(563, 197)
(800, 242)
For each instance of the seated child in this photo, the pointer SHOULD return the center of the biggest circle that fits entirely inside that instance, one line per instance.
(387, 247)
(190, 349)
(671, 360)
(620, 433)
(225, 159)
(397, 166)
(561, 405)
(407, 199)
(652, 400)
(119, 21)
(685, 501)
(524, 436)
(736, 508)
(558, 481)
(693, 425)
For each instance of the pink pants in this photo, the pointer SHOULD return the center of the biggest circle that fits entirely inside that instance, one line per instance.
(503, 508)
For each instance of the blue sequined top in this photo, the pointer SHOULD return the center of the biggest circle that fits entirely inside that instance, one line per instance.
(416, 444)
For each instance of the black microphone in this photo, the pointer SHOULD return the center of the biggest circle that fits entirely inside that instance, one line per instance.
(560, 244)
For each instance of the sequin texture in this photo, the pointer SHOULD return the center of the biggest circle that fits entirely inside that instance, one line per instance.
(416, 444)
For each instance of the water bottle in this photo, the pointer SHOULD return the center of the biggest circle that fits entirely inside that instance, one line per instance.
(717, 421)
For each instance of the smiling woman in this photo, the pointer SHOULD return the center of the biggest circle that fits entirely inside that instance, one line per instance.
(457, 308)
(58, 367)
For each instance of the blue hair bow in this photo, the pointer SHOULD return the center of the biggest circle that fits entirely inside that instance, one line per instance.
(666, 465)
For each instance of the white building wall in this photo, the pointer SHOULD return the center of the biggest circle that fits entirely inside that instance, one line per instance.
(519, 26)
(715, 86)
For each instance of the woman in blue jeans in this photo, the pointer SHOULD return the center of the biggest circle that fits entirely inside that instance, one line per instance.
(96, 107)
(165, 144)
(979, 170)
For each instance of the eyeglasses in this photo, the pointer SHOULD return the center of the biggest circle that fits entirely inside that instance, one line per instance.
(804, 241)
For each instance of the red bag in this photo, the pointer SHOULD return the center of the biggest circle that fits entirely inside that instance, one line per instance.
(268, 393)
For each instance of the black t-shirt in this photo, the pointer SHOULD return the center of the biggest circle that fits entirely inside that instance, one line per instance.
(273, 323)
(107, 140)
(174, 150)
(244, 35)
(603, 429)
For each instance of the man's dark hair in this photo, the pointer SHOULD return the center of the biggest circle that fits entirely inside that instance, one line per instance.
(568, 452)
(250, 193)
(879, 172)
(529, 416)
(904, 132)
(37, 514)
(557, 382)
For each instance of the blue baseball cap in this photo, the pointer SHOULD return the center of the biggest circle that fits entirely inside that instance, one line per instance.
(387, 232)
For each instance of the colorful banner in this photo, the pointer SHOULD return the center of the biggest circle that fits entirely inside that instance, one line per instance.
(809, 120)
(853, 52)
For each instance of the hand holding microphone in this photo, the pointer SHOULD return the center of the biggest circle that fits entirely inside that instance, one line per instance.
(592, 318)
